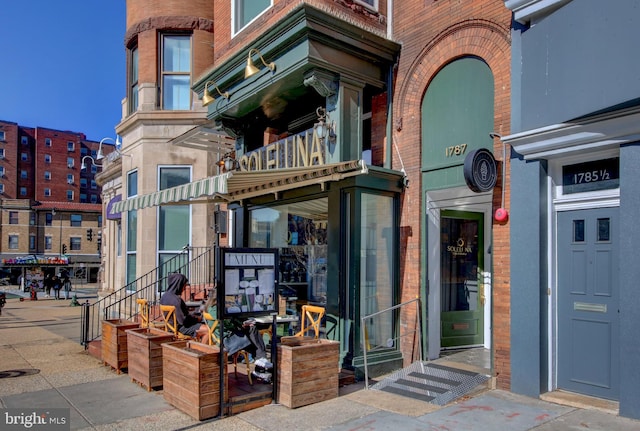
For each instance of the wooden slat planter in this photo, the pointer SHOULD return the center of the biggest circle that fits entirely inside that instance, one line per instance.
(308, 371)
(191, 378)
(144, 347)
(114, 342)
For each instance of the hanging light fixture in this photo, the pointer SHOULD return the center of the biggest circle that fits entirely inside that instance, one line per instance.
(207, 99)
(251, 69)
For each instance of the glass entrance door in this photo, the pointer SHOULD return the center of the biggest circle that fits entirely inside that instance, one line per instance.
(461, 288)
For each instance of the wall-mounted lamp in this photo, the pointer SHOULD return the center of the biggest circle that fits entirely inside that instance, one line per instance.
(323, 128)
(251, 69)
(228, 163)
(117, 143)
(207, 99)
(83, 165)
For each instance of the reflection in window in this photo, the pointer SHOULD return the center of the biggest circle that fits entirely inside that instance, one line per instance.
(603, 229)
(578, 231)
(245, 11)
(176, 72)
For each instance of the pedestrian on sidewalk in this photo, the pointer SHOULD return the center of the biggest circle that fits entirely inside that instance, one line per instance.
(66, 285)
(47, 285)
(56, 285)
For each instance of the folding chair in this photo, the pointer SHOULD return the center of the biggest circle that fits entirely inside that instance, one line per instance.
(314, 315)
(170, 322)
(213, 339)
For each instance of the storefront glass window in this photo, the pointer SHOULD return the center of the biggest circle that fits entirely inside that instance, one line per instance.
(299, 231)
(376, 266)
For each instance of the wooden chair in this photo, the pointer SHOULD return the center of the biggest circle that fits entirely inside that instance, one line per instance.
(214, 340)
(143, 312)
(170, 322)
(314, 315)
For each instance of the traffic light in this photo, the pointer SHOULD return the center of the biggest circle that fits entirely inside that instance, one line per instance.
(89, 234)
(64, 248)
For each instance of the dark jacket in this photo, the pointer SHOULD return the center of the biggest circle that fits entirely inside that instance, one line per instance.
(175, 285)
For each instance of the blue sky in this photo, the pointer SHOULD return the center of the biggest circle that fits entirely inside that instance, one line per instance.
(63, 64)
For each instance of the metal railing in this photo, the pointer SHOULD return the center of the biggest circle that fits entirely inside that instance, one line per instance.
(121, 304)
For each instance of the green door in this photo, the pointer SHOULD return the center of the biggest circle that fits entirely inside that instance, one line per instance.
(461, 287)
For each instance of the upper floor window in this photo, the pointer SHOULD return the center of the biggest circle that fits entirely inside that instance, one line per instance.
(371, 4)
(100, 221)
(32, 242)
(1, 171)
(47, 192)
(71, 146)
(83, 183)
(1, 188)
(24, 174)
(94, 199)
(245, 11)
(76, 220)
(132, 184)
(94, 169)
(1, 153)
(23, 191)
(47, 242)
(94, 185)
(83, 198)
(75, 243)
(47, 175)
(32, 218)
(133, 80)
(47, 158)
(48, 219)
(2, 135)
(69, 178)
(24, 140)
(24, 157)
(83, 151)
(69, 195)
(176, 72)
(13, 242)
(13, 217)
(47, 142)
(70, 162)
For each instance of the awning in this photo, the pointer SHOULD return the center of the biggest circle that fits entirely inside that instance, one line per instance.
(238, 185)
(205, 138)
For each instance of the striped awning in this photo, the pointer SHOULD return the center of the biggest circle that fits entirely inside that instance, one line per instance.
(238, 185)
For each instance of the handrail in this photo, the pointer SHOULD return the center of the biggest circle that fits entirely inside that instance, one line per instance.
(121, 304)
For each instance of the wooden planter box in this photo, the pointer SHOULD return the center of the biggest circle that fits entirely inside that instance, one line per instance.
(144, 347)
(191, 378)
(114, 342)
(308, 371)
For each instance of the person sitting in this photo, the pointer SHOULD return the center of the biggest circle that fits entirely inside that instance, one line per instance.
(238, 327)
(188, 324)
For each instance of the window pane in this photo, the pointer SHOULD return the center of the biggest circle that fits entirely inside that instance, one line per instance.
(131, 268)
(246, 10)
(75, 243)
(132, 230)
(376, 266)
(172, 177)
(603, 229)
(578, 231)
(76, 220)
(132, 184)
(177, 54)
(174, 227)
(176, 92)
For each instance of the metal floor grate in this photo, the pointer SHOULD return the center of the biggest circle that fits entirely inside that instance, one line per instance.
(431, 382)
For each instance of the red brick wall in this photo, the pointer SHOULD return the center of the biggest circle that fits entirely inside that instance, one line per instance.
(432, 34)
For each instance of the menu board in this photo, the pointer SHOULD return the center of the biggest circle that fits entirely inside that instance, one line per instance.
(249, 286)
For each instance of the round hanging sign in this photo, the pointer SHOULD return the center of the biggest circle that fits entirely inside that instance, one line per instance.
(480, 170)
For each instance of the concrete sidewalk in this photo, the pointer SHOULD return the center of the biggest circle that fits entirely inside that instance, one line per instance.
(43, 366)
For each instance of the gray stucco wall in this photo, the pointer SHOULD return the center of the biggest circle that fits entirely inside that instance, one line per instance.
(573, 62)
(629, 276)
(528, 276)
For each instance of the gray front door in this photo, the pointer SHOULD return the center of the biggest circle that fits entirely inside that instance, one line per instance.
(588, 302)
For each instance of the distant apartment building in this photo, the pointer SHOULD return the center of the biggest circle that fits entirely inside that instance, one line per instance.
(50, 203)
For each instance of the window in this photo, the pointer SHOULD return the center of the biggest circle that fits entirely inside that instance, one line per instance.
(24, 157)
(47, 192)
(47, 242)
(47, 158)
(13, 217)
(75, 243)
(70, 162)
(1, 153)
(23, 174)
(100, 221)
(1, 188)
(69, 195)
(94, 169)
(48, 219)
(94, 185)
(176, 72)
(245, 11)
(83, 198)
(76, 220)
(71, 146)
(94, 199)
(13, 242)
(370, 4)
(132, 228)
(47, 175)
(32, 242)
(1, 171)
(133, 80)
(24, 140)
(69, 178)
(32, 218)
(83, 183)
(23, 191)
(47, 142)
(84, 151)
(132, 184)
(2, 135)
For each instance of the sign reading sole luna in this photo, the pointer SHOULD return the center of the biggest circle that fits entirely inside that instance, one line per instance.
(480, 170)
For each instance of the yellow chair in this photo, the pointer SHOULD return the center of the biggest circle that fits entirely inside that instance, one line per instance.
(170, 322)
(213, 339)
(314, 315)
(143, 312)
